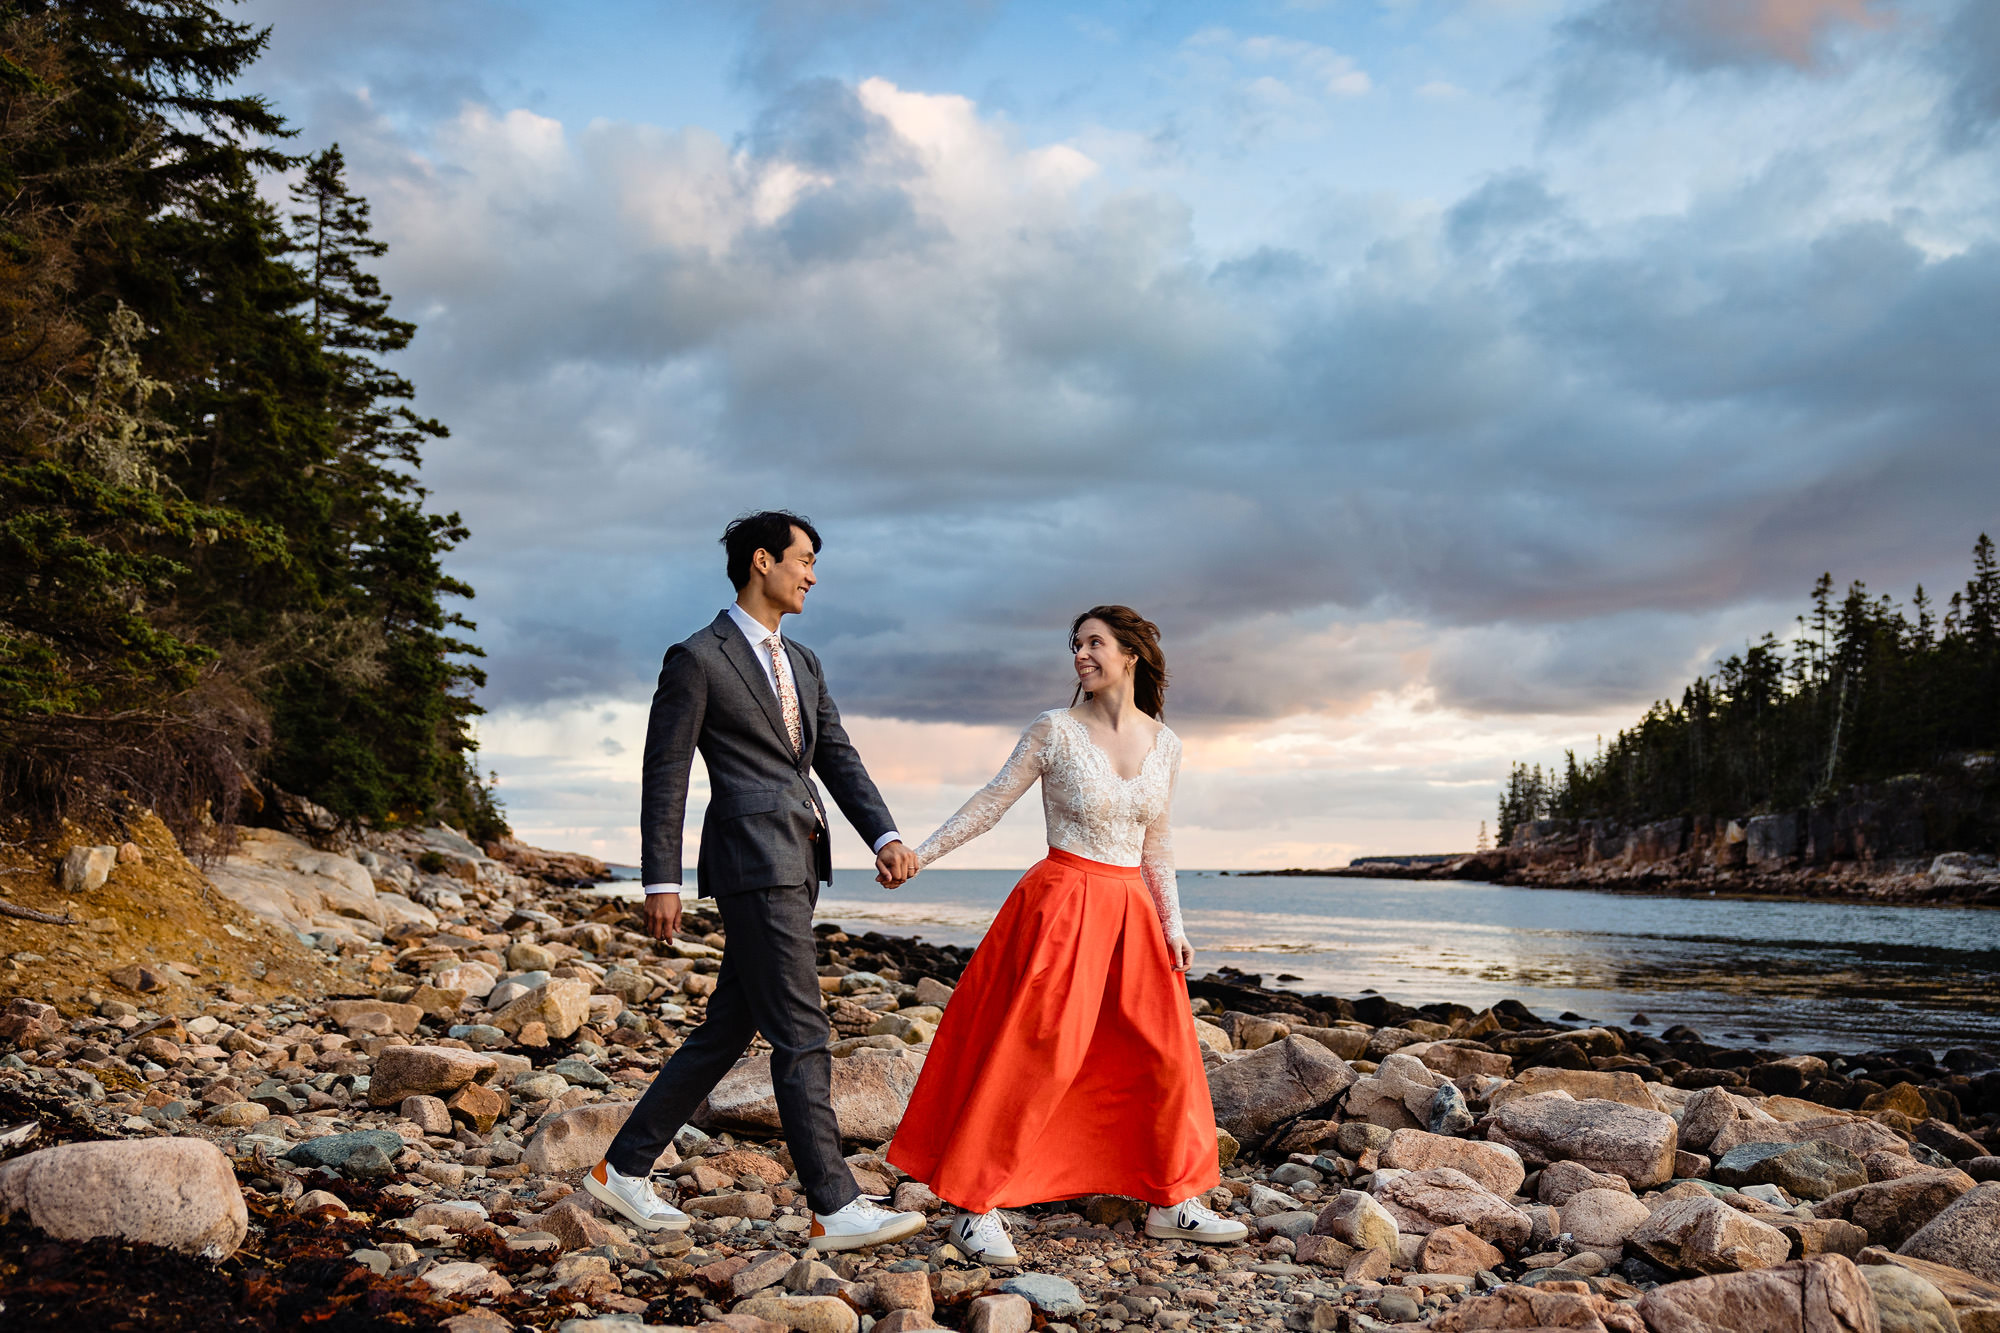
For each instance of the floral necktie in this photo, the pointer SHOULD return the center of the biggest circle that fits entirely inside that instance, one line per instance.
(788, 696)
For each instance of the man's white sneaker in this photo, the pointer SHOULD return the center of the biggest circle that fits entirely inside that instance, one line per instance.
(983, 1238)
(1191, 1221)
(634, 1199)
(862, 1223)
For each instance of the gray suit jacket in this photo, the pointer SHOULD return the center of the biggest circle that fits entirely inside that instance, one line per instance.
(766, 824)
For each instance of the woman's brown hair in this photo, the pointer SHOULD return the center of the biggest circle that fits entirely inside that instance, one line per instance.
(1141, 638)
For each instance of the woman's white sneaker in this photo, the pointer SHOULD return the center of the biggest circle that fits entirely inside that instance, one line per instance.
(863, 1222)
(983, 1238)
(1191, 1221)
(634, 1199)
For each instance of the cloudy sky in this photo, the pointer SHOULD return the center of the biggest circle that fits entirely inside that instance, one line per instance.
(1449, 378)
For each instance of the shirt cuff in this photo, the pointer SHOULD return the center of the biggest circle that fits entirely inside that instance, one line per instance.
(652, 889)
(886, 839)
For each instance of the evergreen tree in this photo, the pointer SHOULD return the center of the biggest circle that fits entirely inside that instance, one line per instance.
(1863, 693)
(214, 553)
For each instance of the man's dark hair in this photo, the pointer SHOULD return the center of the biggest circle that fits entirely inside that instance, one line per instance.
(770, 531)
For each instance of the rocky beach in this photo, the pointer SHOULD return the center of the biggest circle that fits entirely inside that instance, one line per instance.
(354, 1084)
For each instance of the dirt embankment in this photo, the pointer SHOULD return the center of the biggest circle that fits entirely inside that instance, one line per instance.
(154, 926)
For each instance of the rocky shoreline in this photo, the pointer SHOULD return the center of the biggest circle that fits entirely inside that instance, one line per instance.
(1562, 858)
(395, 1140)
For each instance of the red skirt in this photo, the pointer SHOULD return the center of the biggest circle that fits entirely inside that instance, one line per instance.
(1067, 1062)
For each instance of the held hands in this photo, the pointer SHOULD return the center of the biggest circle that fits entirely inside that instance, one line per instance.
(1181, 952)
(895, 865)
(663, 915)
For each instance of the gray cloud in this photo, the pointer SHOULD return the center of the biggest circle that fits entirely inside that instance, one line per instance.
(1544, 453)
(1970, 52)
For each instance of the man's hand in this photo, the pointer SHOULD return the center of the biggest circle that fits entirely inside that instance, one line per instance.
(895, 865)
(663, 915)
(1181, 952)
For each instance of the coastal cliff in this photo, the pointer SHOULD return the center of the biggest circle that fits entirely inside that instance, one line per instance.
(1907, 840)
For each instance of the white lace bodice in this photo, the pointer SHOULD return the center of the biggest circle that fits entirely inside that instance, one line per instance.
(1091, 811)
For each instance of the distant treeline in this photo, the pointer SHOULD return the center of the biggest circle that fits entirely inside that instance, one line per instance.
(216, 562)
(1866, 690)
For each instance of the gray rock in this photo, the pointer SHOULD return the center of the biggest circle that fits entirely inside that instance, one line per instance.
(338, 1150)
(1399, 1307)
(1274, 1083)
(1054, 1296)
(1290, 1225)
(580, 1073)
(1811, 1170)
(1449, 1114)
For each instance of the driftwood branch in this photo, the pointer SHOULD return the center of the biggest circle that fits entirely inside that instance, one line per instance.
(30, 914)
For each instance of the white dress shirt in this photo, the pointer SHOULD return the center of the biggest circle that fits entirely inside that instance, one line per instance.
(757, 634)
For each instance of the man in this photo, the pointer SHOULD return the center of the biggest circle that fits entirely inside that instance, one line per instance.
(755, 705)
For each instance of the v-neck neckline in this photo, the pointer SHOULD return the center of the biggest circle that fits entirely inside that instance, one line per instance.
(1105, 755)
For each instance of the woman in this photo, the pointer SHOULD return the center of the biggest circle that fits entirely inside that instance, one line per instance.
(1067, 1063)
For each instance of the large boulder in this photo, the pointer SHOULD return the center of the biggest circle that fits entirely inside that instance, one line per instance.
(1823, 1294)
(871, 1089)
(179, 1193)
(378, 1016)
(293, 883)
(1516, 1307)
(1497, 1168)
(425, 1071)
(1892, 1211)
(1397, 1095)
(1461, 1061)
(1422, 1201)
(1705, 1235)
(1859, 1137)
(1705, 1113)
(577, 1138)
(1582, 1084)
(1965, 1235)
(1975, 1302)
(1601, 1219)
(1907, 1303)
(1561, 1181)
(1810, 1170)
(1275, 1083)
(1627, 1141)
(560, 1005)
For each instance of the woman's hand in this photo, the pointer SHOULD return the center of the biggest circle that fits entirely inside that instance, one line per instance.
(1181, 952)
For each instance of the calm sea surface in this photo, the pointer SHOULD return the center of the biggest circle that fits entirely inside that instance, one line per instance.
(1799, 976)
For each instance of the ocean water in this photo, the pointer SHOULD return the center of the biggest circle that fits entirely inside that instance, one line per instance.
(1791, 975)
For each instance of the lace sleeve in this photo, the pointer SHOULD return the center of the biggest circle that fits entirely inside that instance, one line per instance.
(1156, 857)
(993, 800)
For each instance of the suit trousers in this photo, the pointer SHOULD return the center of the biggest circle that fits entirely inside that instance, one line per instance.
(769, 983)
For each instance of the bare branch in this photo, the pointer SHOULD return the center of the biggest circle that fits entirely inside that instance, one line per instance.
(30, 914)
